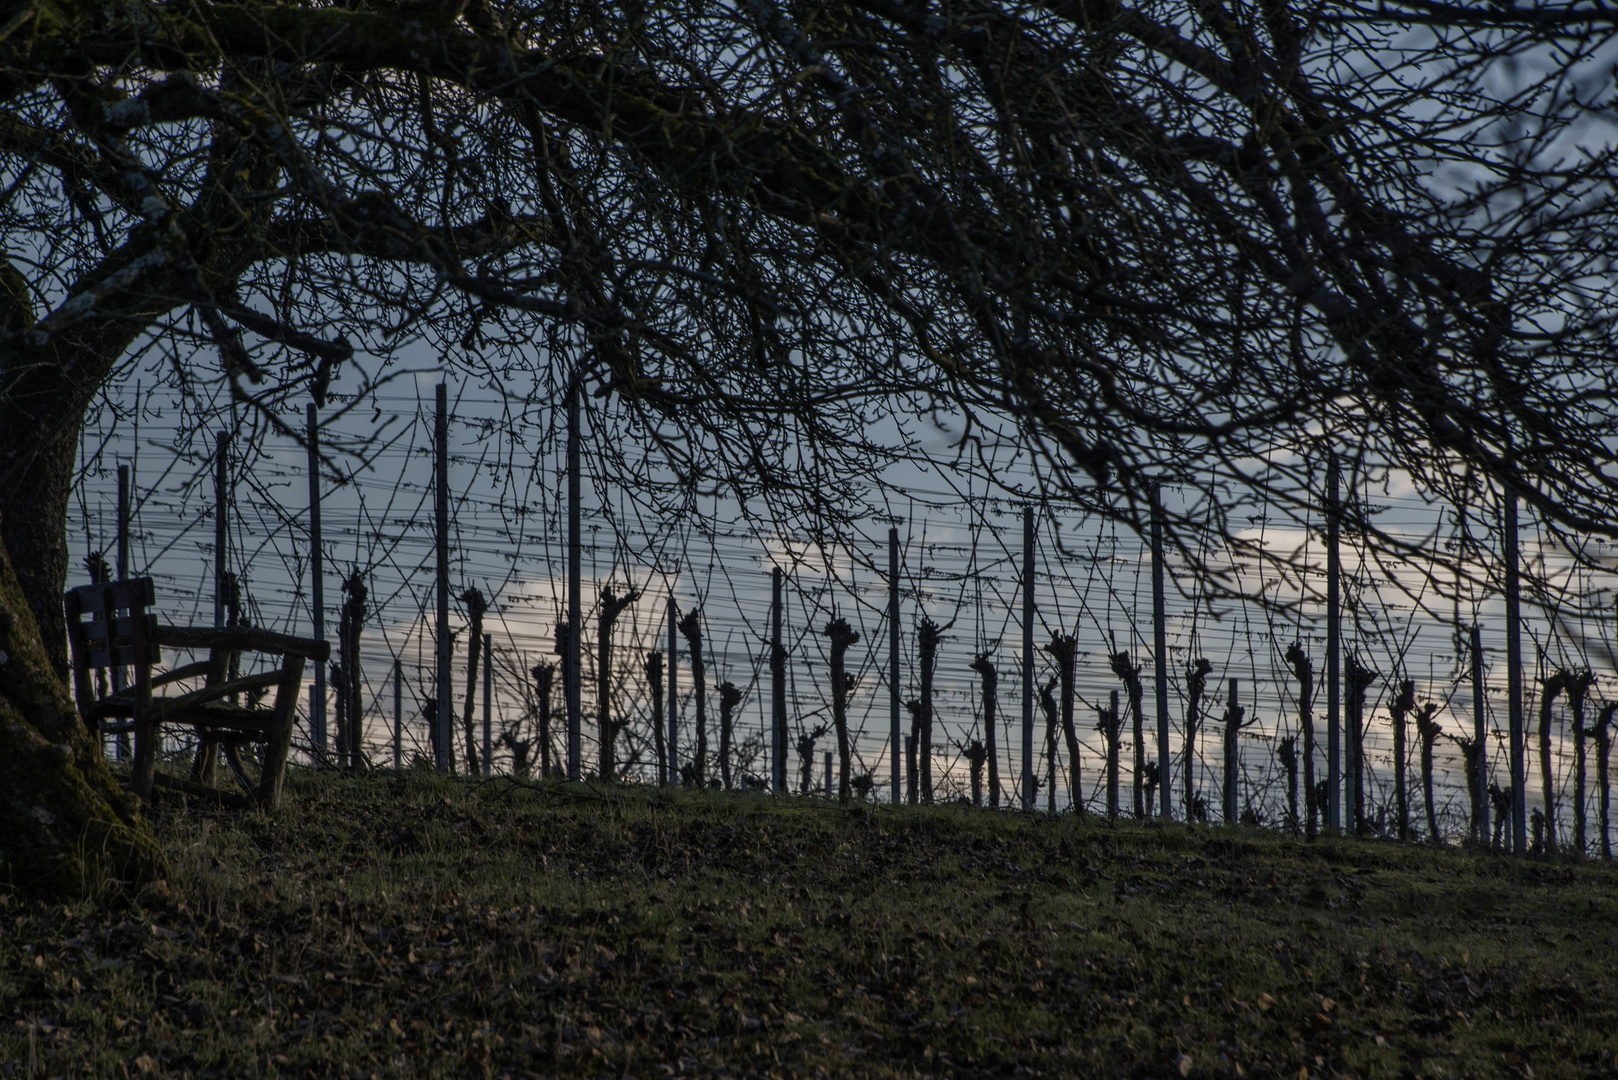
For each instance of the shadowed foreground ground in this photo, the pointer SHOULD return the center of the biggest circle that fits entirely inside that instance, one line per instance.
(401, 925)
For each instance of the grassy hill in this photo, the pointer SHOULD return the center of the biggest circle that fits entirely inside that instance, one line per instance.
(403, 925)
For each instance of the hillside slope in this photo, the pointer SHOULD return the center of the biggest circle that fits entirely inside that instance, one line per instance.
(403, 925)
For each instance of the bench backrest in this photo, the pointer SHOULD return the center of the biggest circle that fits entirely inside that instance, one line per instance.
(119, 630)
(110, 639)
(109, 625)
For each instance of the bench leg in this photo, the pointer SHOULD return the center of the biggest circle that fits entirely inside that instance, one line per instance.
(145, 764)
(280, 741)
(233, 756)
(205, 768)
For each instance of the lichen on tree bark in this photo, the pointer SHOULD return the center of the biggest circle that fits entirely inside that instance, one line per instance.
(66, 827)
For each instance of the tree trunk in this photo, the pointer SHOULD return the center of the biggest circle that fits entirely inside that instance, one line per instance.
(985, 668)
(475, 607)
(654, 684)
(1554, 685)
(913, 706)
(1129, 672)
(729, 698)
(1233, 730)
(1359, 679)
(927, 641)
(564, 638)
(1111, 727)
(544, 675)
(1400, 710)
(1501, 801)
(1047, 704)
(691, 629)
(806, 759)
(351, 622)
(1196, 685)
(1303, 669)
(1287, 751)
(976, 755)
(65, 825)
(842, 637)
(612, 606)
(778, 705)
(1471, 749)
(910, 756)
(337, 679)
(1578, 689)
(1427, 728)
(1062, 649)
(43, 394)
(1603, 737)
(36, 477)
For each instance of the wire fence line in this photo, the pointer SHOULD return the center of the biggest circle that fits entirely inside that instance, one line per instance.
(959, 568)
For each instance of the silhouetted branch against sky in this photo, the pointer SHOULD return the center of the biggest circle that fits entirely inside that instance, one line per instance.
(787, 244)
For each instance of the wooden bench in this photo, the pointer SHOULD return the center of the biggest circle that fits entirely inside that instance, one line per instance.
(111, 628)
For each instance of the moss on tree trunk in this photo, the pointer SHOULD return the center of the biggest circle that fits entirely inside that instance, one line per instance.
(65, 825)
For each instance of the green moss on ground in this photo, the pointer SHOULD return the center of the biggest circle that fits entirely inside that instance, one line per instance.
(403, 925)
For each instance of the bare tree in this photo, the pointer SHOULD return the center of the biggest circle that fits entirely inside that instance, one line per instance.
(1357, 678)
(544, 677)
(778, 721)
(729, 698)
(476, 607)
(1129, 672)
(1303, 670)
(842, 636)
(1287, 750)
(1110, 723)
(654, 689)
(928, 636)
(976, 755)
(1399, 711)
(1471, 753)
(1129, 241)
(1602, 734)
(337, 679)
(564, 634)
(807, 737)
(912, 741)
(1062, 649)
(522, 750)
(1428, 731)
(1047, 704)
(1196, 685)
(1501, 801)
(609, 727)
(350, 624)
(1578, 691)
(519, 734)
(429, 717)
(989, 679)
(1552, 686)
(1235, 719)
(691, 629)
(1192, 179)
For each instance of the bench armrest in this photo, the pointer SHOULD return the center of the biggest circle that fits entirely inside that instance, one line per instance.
(240, 639)
(163, 708)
